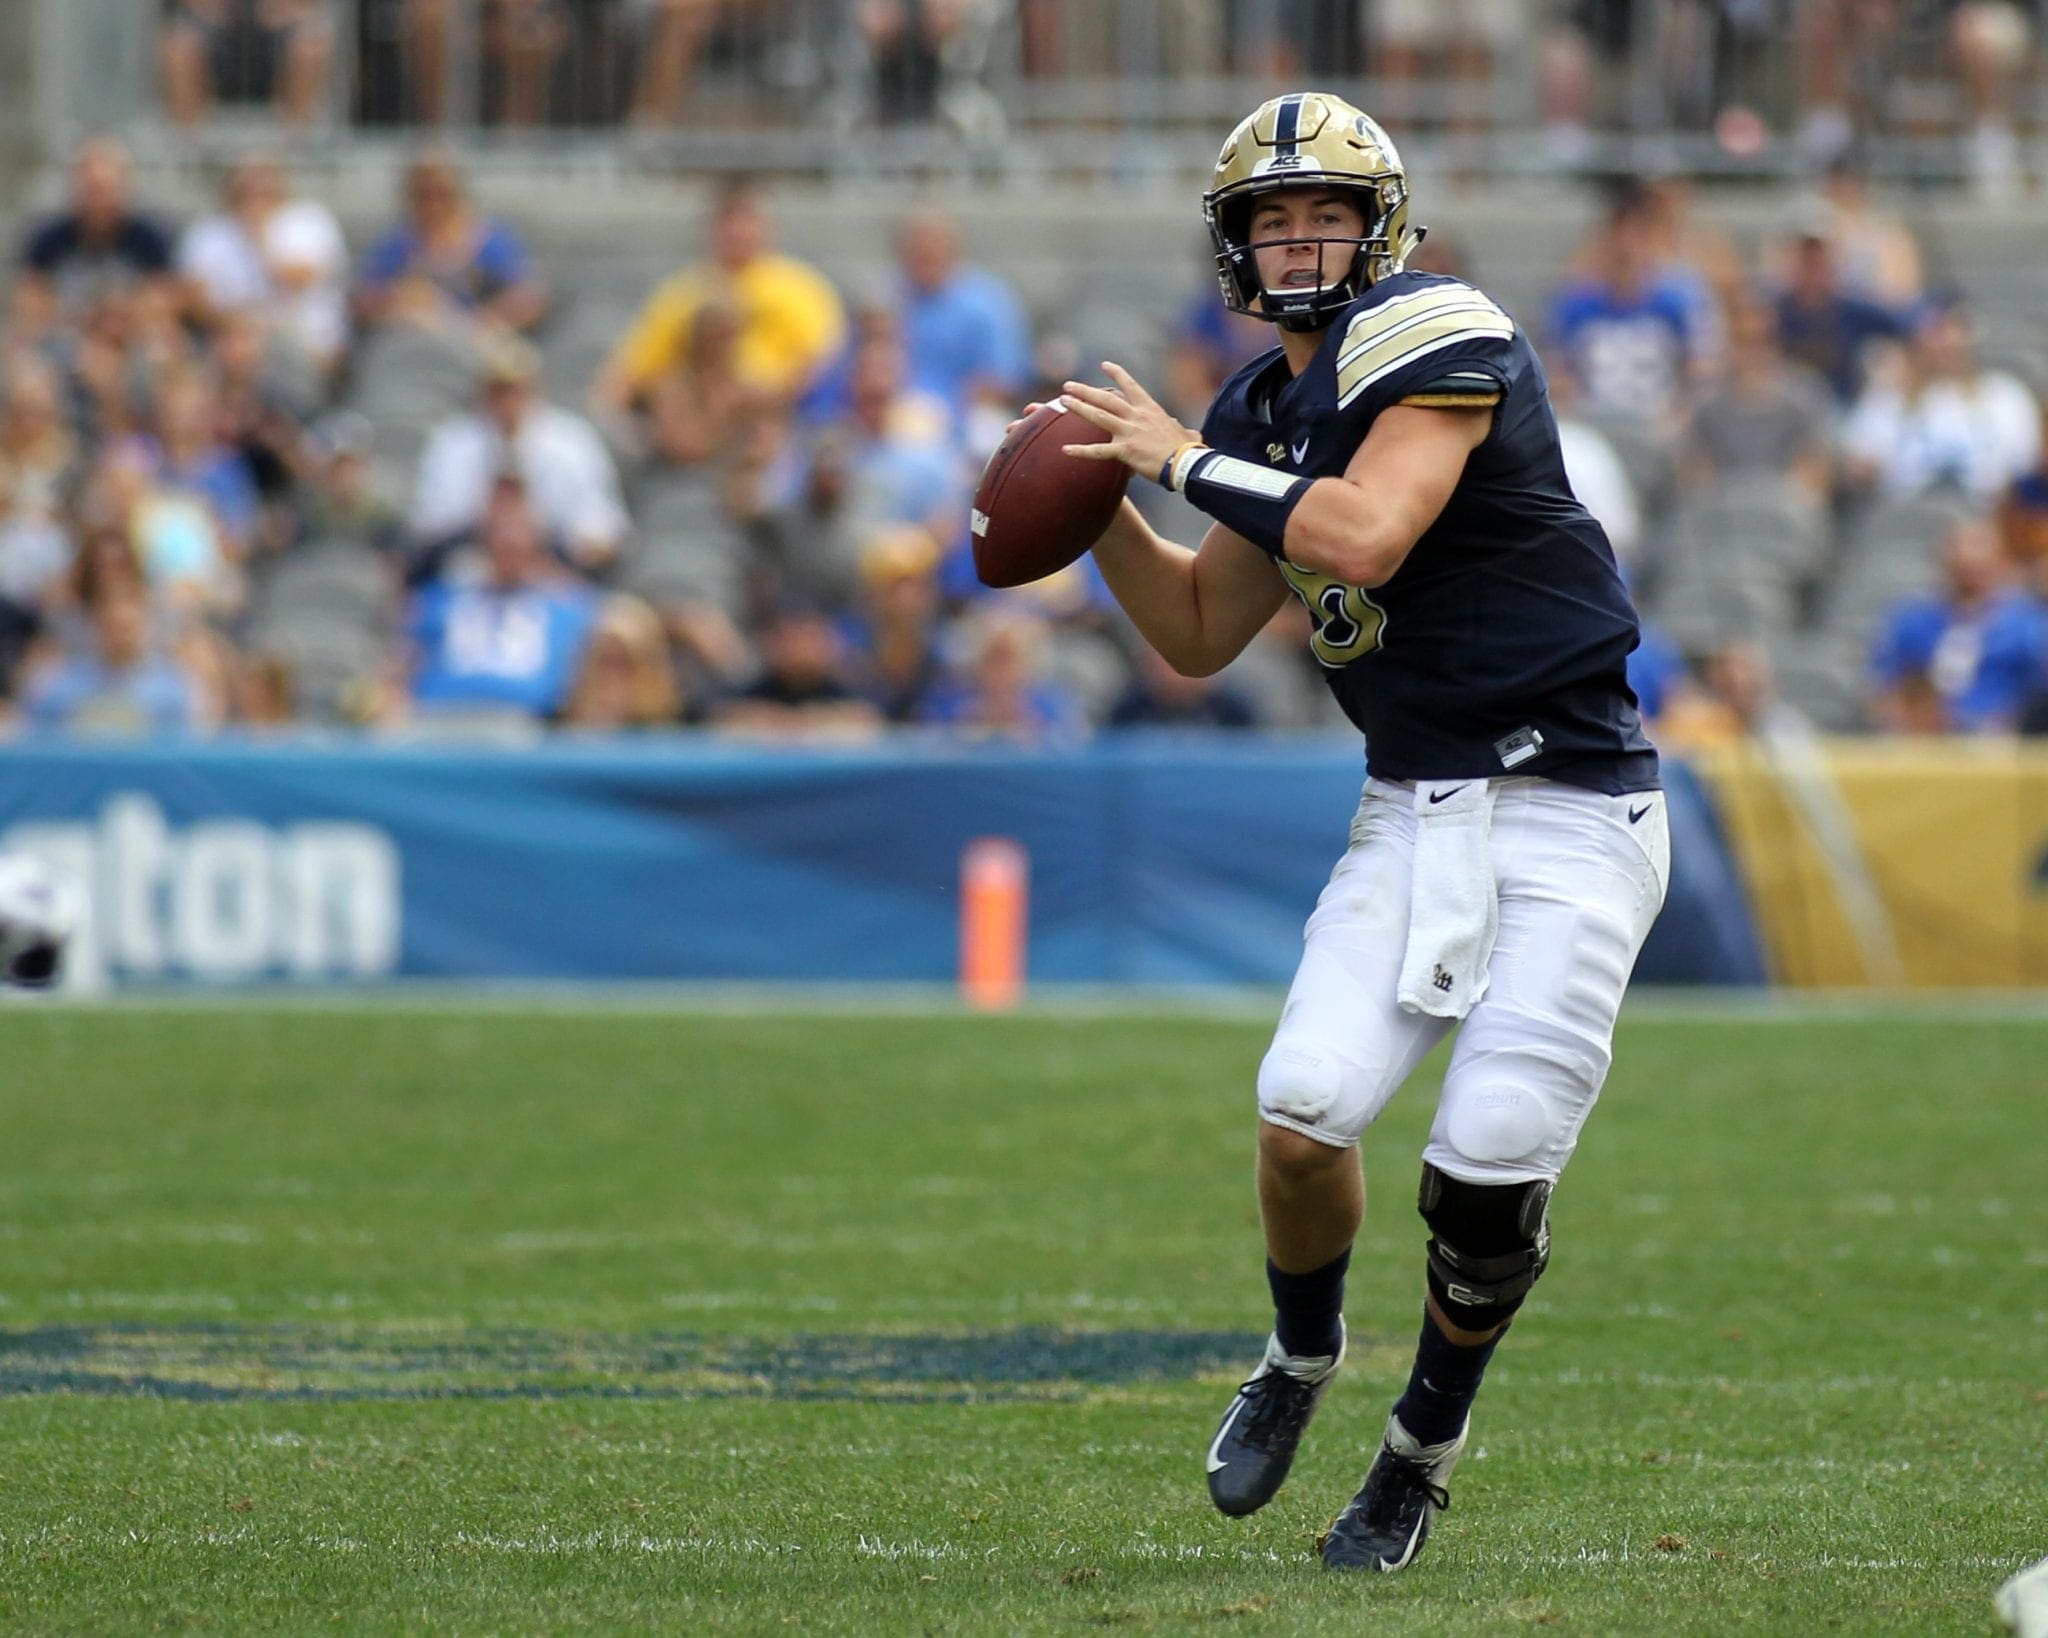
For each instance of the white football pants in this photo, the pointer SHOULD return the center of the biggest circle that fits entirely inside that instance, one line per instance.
(1579, 884)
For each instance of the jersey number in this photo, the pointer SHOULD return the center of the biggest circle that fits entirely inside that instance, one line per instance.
(1348, 623)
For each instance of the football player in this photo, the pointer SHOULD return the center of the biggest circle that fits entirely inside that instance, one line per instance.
(1394, 464)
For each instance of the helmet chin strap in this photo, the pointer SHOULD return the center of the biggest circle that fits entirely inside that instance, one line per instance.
(1352, 278)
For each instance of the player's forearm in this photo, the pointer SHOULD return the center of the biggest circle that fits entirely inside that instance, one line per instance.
(1338, 530)
(1154, 581)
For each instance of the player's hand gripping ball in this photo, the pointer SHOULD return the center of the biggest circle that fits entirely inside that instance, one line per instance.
(1038, 508)
(37, 914)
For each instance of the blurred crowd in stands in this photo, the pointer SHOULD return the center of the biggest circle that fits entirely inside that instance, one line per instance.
(254, 476)
(1815, 75)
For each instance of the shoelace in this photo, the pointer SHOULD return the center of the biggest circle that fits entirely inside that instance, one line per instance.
(1414, 1471)
(1278, 1414)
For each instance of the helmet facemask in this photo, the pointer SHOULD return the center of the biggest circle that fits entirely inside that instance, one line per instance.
(1346, 267)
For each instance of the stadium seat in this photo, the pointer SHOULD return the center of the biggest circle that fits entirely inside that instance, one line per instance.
(686, 549)
(413, 374)
(1729, 569)
(1819, 676)
(325, 610)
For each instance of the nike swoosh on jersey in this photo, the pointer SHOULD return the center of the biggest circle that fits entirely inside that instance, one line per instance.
(1382, 339)
(1216, 1443)
(1299, 452)
(1635, 814)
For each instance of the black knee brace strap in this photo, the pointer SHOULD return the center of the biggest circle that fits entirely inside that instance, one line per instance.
(1488, 1245)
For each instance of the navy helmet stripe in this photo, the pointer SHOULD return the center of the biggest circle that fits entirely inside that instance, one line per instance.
(1287, 128)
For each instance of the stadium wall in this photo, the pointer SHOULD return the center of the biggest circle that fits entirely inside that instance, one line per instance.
(1153, 860)
(1889, 862)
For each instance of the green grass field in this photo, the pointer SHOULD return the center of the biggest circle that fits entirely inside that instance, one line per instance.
(511, 1320)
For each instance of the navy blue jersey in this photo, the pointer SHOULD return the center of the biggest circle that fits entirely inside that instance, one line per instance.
(1499, 645)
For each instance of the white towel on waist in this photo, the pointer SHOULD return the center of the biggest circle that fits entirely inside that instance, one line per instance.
(1453, 913)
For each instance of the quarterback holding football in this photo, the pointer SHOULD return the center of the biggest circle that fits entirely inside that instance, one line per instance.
(1394, 464)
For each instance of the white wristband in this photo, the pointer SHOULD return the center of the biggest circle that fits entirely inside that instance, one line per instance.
(1182, 463)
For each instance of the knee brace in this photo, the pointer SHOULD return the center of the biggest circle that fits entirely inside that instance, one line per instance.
(1489, 1243)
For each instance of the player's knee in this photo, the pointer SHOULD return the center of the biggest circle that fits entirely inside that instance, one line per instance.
(1295, 1157)
(1499, 1125)
(1301, 1083)
(1489, 1243)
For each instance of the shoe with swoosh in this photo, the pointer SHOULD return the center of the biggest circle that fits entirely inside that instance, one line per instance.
(1255, 1444)
(1386, 1523)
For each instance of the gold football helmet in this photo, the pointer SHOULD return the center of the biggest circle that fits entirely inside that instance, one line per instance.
(1308, 138)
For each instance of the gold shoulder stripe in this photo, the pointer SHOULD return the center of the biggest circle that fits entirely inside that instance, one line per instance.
(1385, 337)
(1430, 334)
(1378, 323)
(1452, 400)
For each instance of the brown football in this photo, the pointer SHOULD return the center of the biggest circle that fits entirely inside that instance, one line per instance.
(1038, 508)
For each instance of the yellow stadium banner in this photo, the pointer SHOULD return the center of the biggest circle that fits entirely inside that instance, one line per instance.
(1885, 862)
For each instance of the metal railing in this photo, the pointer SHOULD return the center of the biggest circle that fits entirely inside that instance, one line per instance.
(1096, 88)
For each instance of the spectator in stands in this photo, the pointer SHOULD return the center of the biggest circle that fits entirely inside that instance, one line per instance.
(891, 460)
(964, 330)
(628, 679)
(893, 632)
(262, 411)
(2023, 518)
(1281, 39)
(1845, 51)
(805, 690)
(448, 265)
(1657, 674)
(1598, 475)
(339, 497)
(1876, 253)
(118, 349)
(925, 57)
(1948, 424)
(1989, 43)
(700, 407)
(998, 689)
(99, 245)
(1451, 47)
(1825, 327)
(1968, 660)
(1161, 697)
(35, 549)
(279, 257)
(1736, 698)
(518, 43)
(1767, 420)
(1702, 260)
(188, 458)
(567, 471)
(671, 35)
(1207, 343)
(510, 644)
(245, 50)
(1629, 335)
(118, 683)
(791, 320)
(40, 454)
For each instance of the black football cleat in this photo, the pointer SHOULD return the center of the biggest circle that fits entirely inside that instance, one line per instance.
(1255, 1444)
(1387, 1522)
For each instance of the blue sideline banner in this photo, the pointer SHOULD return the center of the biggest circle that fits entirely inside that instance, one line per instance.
(1154, 859)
